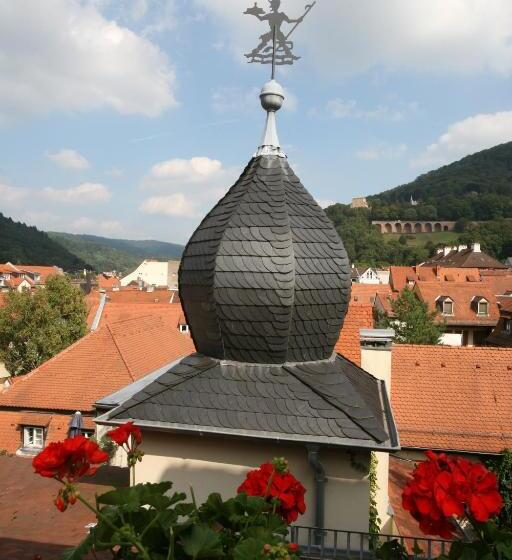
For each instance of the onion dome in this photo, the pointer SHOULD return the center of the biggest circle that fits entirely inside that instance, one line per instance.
(265, 277)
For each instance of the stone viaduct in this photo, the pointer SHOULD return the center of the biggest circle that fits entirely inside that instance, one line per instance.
(390, 226)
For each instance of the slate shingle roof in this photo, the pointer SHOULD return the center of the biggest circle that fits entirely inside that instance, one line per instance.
(265, 277)
(331, 401)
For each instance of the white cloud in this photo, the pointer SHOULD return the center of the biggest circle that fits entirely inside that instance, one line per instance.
(177, 204)
(234, 99)
(64, 55)
(70, 159)
(341, 109)
(85, 193)
(353, 36)
(189, 187)
(467, 137)
(194, 170)
(382, 151)
(10, 194)
(323, 203)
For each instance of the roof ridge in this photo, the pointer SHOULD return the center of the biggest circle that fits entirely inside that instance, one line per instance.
(332, 401)
(120, 353)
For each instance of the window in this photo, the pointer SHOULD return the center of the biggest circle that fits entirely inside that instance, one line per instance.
(183, 328)
(483, 307)
(507, 326)
(33, 437)
(448, 307)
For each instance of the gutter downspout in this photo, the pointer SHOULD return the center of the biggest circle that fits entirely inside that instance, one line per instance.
(320, 480)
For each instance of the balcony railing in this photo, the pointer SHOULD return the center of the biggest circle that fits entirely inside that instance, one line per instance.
(332, 544)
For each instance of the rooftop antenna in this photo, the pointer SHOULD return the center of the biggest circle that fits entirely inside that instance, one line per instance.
(274, 48)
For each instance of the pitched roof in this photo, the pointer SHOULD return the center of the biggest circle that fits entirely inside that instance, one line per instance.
(359, 316)
(463, 296)
(107, 281)
(328, 401)
(44, 271)
(400, 276)
(499, 284)
(467, 258)
(366, 293)
(99, 364)
(453, 398)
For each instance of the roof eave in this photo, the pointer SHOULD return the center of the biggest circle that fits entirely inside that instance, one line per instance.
(188, 429)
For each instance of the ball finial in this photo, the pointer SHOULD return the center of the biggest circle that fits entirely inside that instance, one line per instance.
(272, 96)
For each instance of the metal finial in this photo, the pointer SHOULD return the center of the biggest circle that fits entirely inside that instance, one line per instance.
(275, 47)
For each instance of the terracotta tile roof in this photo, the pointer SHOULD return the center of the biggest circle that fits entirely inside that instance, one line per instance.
(44, 271)
(400, 275)
(107, 282)
(453, 398)
(505, 304)
(365, 293)
(130, 295)
(359, 316)
(462, 294)
(99, 364)
(499, 284)
(114, 312)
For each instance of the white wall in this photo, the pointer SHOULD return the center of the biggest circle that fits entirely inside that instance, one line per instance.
(211, 464)
(153, 273)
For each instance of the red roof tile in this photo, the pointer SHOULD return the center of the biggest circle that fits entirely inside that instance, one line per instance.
(359, 316)
(366, 293)
(99, 364)
(453, 398)
(499, 284)
(107, 282)
(462, 294)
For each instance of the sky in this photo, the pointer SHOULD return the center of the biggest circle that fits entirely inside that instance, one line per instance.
(131, 118)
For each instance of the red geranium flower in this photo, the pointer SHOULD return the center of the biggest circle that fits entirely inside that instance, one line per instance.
(69, 459)
(444, 487)
(269, 483)
(122, 434)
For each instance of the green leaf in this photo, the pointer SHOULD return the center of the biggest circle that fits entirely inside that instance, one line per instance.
(202, 542)
(132, 498)
(249, 549)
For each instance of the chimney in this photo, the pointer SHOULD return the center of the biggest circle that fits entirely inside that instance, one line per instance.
(376, 347)
(475, 247)
(446, 251)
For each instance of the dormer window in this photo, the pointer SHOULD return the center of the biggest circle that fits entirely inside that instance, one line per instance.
(481, 306)
(445, 305)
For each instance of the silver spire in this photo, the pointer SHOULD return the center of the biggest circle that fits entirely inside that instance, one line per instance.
(271, 97)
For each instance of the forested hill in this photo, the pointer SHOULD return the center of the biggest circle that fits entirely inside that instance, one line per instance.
(22, 244)
(477, 187)
(123, 255)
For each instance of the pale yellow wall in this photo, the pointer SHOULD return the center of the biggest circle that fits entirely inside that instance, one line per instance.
(219, 465)
(378, 363)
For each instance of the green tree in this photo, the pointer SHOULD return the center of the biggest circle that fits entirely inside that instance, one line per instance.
(413, 323)
(34, 326)
(502, 466)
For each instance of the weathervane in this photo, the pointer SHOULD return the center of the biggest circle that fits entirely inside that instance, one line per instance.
(275, 47)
